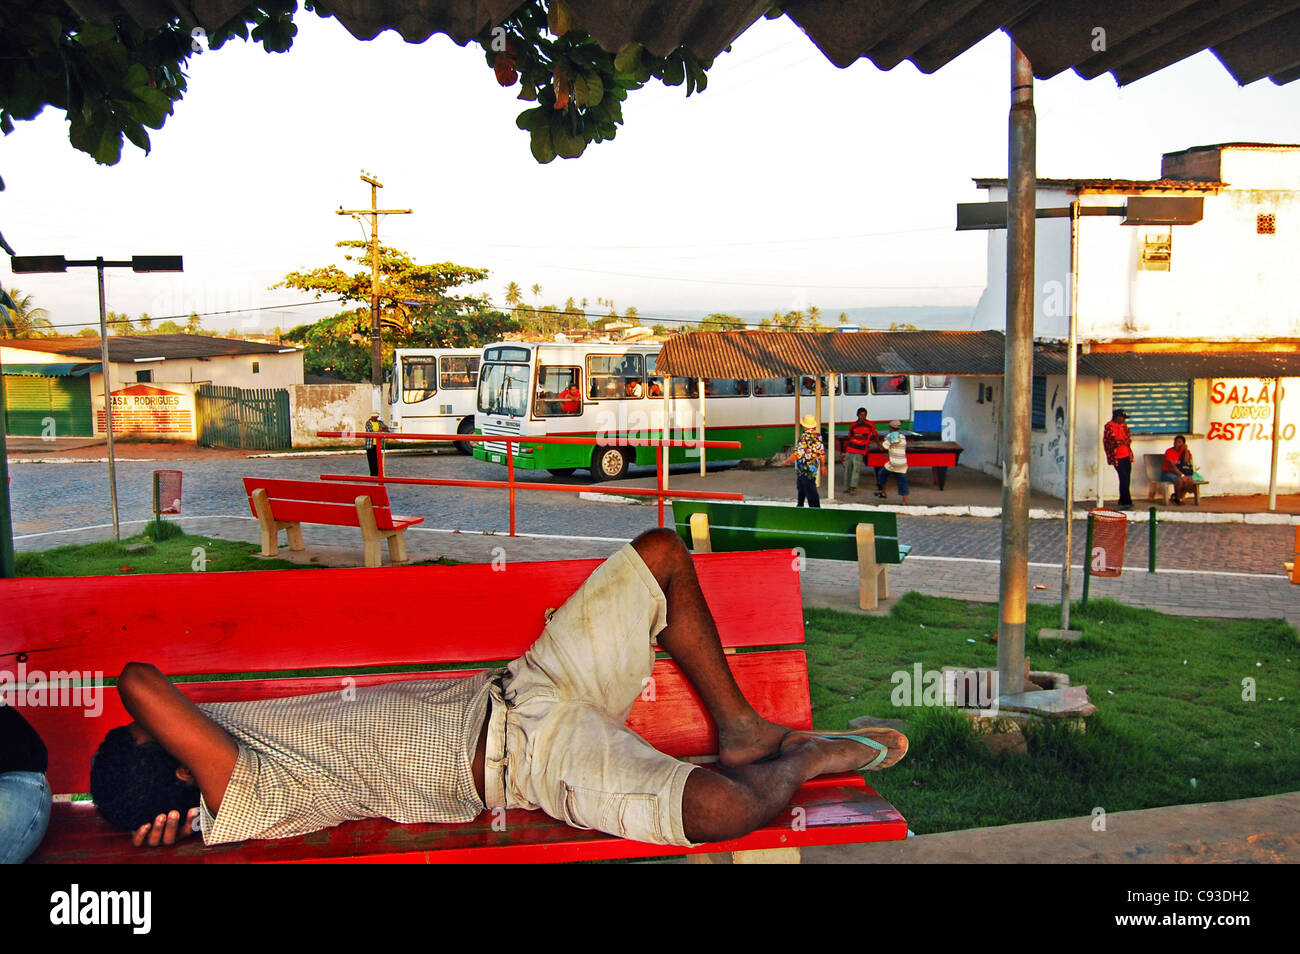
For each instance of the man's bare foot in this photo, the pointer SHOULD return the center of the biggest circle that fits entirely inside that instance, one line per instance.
(748, 741)
(846, 755)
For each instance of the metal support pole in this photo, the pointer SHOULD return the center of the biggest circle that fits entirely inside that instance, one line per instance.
(1272, 468)
(108, 400)
(6, 515)
(830, 439)
(511, 449)
(659, 475)
(667, 428)
(701, 428)
(1087, 561)
(1071, 386)
(1151, 540)
(1013, 583)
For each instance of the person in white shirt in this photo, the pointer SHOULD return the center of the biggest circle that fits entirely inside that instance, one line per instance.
(895, 442)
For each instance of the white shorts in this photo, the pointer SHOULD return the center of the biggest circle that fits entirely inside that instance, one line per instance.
(556, 735)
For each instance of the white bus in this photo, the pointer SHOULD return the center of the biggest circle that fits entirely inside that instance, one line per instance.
(431, 391)
(585, 389)
(929, 394)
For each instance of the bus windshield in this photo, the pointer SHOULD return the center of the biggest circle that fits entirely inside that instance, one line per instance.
(503, 389)
(418, 378)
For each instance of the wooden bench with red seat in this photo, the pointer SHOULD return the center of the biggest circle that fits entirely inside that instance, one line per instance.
(313, 619)
(287, 504)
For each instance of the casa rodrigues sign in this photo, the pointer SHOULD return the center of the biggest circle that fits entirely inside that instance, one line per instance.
(145, 409)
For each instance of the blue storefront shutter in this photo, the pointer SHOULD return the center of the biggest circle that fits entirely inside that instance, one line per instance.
(1160, 407)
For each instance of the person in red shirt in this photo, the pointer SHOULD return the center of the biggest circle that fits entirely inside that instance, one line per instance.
(1118, 443)
(861, 433)
(571, 399)
(1176, 469)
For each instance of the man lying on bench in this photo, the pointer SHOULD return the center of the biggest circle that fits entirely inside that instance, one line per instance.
(545, 732)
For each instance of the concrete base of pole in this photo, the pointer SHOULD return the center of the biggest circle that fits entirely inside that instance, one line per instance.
(1060, 635)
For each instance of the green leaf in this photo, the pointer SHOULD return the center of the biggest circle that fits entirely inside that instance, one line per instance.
(542, 146)
(674, 72)
(568, 144)
(531, 119)
(593, 89)
(135, 132)
(628, 59)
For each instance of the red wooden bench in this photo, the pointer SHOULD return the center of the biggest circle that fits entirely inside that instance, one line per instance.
(207, 623)
(287, 504)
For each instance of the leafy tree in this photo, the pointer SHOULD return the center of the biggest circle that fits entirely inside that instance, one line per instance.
(118, 323)
(87, 333)
(169, 327)
(20, 318)
(721, 322)
(421, 306)
(193, 324)
(902, 326)
(660, 330)
(844, 317)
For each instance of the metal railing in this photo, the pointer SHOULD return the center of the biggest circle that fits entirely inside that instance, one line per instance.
(660, 492)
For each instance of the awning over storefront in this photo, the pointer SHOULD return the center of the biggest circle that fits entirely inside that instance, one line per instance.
(53, 370)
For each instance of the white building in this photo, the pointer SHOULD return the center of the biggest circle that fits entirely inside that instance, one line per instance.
(1183, 326)
(54, 386)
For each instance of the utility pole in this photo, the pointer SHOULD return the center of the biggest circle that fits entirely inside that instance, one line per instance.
(374, 212)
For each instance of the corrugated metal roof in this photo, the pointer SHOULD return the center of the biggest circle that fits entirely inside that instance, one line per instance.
(57, 370)
(1132, 368)
(1252, 40)
(1114, 185)
(130, 347)
(772, 354)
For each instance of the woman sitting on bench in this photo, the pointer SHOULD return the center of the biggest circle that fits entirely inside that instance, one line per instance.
(1177, 469)
(546, 732)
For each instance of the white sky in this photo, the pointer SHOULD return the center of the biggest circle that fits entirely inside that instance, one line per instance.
(787, 182)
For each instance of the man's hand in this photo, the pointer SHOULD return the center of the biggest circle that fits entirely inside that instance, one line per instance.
(166, 829)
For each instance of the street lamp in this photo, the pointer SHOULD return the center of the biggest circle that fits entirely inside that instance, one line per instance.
(31, 264)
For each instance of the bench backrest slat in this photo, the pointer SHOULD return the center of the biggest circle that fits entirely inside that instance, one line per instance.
(211, 622)
(317, 491)
(673, 720)
(824, 533)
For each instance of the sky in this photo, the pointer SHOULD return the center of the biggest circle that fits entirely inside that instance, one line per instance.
(787, 183)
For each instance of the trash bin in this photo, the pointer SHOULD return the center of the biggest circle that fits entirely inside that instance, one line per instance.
(1107, 531)
(166, 492)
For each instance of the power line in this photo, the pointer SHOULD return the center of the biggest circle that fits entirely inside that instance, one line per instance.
(209, 314)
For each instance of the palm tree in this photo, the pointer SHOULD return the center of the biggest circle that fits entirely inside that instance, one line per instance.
(514, 294)
(18, 317)
(537, 291)
(146, 323)
(192, 323)
(118, 323)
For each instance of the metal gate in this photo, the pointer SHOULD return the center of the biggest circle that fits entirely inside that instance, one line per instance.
(244, 418)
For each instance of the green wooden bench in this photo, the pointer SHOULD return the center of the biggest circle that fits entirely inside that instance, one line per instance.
(868, 537)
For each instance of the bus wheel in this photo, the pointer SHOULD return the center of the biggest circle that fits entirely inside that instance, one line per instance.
(466, 427)
(561, 471)
(608, 463)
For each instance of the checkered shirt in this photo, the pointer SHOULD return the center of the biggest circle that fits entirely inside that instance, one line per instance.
(401, 751)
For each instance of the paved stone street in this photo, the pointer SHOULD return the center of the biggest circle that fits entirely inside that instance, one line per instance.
(1221, 569)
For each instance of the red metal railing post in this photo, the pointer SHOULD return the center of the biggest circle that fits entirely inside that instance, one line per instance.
(379, 456)
(659, 478)
(510, 479)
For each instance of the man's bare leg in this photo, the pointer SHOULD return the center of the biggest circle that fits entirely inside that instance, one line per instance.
(691, 638)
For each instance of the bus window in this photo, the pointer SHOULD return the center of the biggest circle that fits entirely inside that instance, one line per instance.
(503, 389)
(856, 384)
(655, 381)
(810, 385)
(458, 372)
(613, 377)
(774, 387)
(558, 392)
(889, 384)
(418, 374)
(688, 388)
(938, 380)
(726, 387)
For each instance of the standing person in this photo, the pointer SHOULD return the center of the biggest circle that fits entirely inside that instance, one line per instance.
(861, 433)
(809, 456)
(895, 443)
(24, 793)
(1117, 440)
(1177, 469)
(372, 452)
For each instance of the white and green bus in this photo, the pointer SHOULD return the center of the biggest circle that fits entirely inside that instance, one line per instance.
(598, 389)
(431, 391)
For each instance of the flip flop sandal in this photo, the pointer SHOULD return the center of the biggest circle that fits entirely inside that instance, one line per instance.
(850, 734)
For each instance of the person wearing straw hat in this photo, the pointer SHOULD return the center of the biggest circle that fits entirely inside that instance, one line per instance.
(808, 457)
(895, 444)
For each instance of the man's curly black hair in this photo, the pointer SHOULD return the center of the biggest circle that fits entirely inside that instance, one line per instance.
(133, 784)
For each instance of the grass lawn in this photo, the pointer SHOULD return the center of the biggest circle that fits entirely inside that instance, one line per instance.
(1172, 725)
